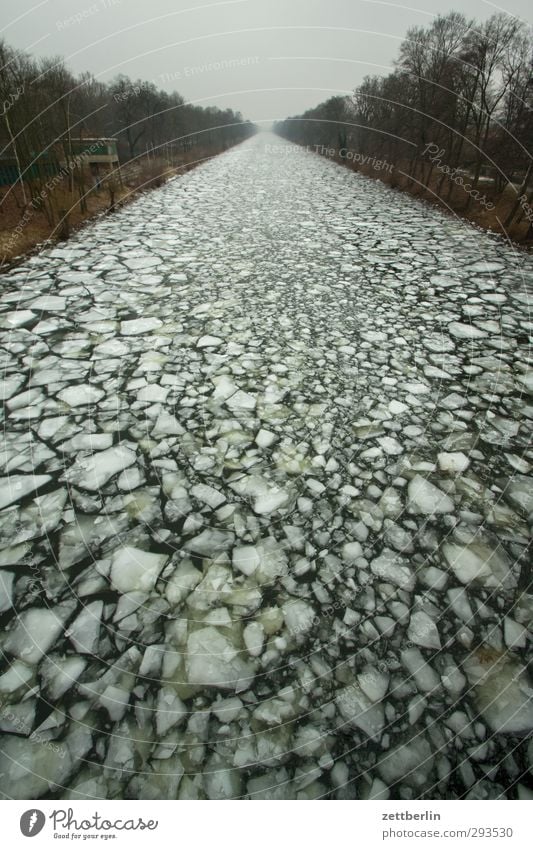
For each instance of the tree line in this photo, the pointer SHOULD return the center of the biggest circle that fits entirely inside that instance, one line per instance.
(453, 120)
(45, 109)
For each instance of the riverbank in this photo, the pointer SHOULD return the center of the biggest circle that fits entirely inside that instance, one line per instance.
(484, 208)
(25, 228)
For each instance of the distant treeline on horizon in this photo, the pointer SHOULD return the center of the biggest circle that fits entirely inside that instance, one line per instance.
(454, 116)
(43, 105)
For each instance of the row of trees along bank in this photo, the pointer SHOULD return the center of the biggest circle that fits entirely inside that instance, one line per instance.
(452, 122)
(48, 116)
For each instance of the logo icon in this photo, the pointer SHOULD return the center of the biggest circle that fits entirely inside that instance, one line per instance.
(32, 822)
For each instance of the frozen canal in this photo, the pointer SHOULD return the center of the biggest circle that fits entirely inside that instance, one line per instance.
(266, 495)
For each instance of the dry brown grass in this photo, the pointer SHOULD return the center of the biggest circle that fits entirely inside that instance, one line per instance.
(489, 656)
(456, 204)
(24, 230)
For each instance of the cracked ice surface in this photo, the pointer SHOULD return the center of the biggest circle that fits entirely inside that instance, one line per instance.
(266, 497)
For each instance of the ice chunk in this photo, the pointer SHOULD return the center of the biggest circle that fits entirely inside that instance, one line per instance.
(36, 631)
(504, 692)
(88, 442)
(138, 261)
(16, 676)
(160, 781)
(515, 634)
(226, 710)
(167, 425)
(224, 387)
(130, 479)
(115, 700)
(484, 267)
(390, 445)
(212, 661)
(209, 342)
(85, 630)
(423, 631)
(94, 471)
(49, 427)
(208, 495)
(357, 709)
(519, 493)
(518, 463)
(426, 498)
(154, 393)
(392, 568)
(220, 781)
(139, 326)
(253, 636)
(460, 604)
(241, 401)
(397, 537)
(220, 616)
(15, 487)
(111, 348)
(373, 683)
(18, 318)
(25, 399)
(479, 563)
(7, 580)
(425, 677)
(210, 542)
(84, 532)
(49, 303)
(397, 407)
(81, 395)
(453, 679)
(134, 569)
(410, 762)
(271, 501)
(465, 331)
(9, 385)
(299, 616)
(170, 710)
(182, 582)
(31, 770)
(273, 560)
(246, 559)
(60, 674)
(351, 551)
(454, 462)
(265, 438)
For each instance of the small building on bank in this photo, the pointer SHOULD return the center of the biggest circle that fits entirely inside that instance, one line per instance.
(99, 155)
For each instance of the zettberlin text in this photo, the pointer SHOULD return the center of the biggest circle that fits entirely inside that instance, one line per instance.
(407, 815)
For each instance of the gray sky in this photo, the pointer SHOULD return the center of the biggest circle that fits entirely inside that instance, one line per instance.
(268, 58)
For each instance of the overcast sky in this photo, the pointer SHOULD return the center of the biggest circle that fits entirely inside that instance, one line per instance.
(268, 58)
